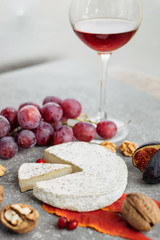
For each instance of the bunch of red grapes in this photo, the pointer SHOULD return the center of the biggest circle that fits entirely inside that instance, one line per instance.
(32, 125)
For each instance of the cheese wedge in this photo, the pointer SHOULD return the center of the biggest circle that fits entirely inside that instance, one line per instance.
(30, 173)
(99, 177)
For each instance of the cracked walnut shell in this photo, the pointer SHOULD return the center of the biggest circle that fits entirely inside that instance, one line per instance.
(20, 218)
(128, 148)
(2, 170)
(109, 145)
(140, 211)
(1, 194)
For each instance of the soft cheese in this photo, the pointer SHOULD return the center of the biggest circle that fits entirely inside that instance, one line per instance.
(99, 177)
(30, 173)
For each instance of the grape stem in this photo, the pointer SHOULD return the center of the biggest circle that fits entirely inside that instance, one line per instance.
(15, 131)
(85, 119)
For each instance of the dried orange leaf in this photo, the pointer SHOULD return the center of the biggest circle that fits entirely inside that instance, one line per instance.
(103, 221)
(116, 206)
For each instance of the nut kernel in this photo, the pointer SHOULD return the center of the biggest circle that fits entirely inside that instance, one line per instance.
(2, 170)
(1, 194)
(12, 217)
(24, 211)
(128, 148)
(109, 145)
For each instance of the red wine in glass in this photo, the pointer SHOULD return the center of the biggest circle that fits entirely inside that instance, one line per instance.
(105, 35)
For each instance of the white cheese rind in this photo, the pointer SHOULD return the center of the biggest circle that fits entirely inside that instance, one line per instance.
(101, 178)
(30, 173)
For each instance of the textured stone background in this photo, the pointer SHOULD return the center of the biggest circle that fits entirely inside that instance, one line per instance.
(69, 79)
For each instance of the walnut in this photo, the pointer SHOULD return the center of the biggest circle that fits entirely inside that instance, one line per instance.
(140, 211)
(1, 194)
(128, 148)
(109, 145)
(20, 218)
(2, 170)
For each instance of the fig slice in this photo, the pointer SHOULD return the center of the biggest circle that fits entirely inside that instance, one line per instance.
(143, 154)
(152, 171)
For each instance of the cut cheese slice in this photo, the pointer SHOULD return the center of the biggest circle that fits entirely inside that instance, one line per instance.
(30, 173)
(99, 177)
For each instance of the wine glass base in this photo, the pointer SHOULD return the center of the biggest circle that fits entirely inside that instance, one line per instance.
(122, 130)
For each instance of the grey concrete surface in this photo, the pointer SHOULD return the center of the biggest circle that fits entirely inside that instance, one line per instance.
(68, 78)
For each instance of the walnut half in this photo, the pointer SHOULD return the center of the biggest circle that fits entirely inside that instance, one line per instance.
(128, 148)
(111, 146)
(2, 170)
(140, 211)
(20, 218)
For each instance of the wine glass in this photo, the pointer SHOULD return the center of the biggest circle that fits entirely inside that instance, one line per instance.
(104, 26)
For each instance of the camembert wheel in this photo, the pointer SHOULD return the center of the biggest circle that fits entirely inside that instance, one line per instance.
(99, 177)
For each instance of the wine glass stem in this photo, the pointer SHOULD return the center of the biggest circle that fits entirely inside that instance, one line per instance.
(104, 62)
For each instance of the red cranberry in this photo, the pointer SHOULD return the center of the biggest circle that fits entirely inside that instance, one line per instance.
(62, 222)
(40, 161)
(72, 224)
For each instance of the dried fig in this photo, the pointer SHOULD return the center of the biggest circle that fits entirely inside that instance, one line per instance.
(143, 154)
(152, 171)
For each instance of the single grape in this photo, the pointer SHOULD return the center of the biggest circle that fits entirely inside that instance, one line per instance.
(11, 114)
(84, 131)
(62, 135)
(51, 112)
(29, 103)
(44, 133)
(57, 124)
(71, 108)
(8, 147)
(4, 126)
(52, 99)
(106, 129)
(29, 117)
(26, 139)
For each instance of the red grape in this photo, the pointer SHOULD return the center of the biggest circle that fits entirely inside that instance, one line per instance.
(106, 129)
(51, 112)
(62, 222)
(11, 114)
(29, 117)
(84, 131)
(72, 224)
(52, 99)
(26, 139)
(29, 103)
(62, 135)
(57, 124)
(8, 147)
(71, 108)
(44, 133)
(4, 126)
